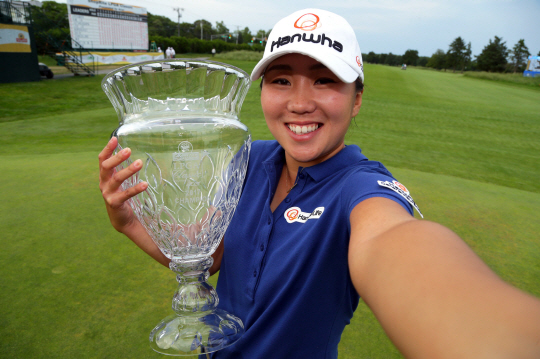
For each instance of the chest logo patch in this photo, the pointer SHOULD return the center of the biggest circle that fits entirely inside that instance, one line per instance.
(402, 191)
(295, 214)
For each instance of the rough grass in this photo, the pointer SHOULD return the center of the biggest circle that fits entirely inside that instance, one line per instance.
(29, 100)
(73, 287)
(241, 55)
(516, 78)
(449, 124)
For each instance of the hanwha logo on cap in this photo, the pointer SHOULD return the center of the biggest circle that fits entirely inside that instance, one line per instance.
(307, 22)
(358, 61)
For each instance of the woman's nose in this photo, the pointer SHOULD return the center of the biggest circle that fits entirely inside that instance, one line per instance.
(301, 99)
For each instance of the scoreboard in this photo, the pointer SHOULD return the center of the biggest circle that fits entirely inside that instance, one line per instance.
(108, 25)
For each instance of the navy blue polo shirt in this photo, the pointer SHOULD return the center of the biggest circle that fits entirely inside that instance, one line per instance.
(285, 274)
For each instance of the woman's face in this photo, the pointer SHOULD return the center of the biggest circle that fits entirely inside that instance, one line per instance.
(307, 108)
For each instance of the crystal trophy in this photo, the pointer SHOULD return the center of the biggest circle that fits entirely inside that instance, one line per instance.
(181, 119)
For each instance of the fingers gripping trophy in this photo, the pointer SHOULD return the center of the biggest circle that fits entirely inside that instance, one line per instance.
(181, 119)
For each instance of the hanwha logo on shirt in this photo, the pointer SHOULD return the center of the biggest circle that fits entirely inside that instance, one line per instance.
(295, 214)
(401, 186)
(307, 22)
(402, 191)
(292, 214)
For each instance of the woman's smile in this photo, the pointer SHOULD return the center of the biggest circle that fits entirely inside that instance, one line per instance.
(302, 129)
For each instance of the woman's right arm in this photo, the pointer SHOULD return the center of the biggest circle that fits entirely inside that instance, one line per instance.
(120, 213)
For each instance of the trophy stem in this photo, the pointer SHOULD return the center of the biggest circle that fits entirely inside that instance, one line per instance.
(198, 326)
(194, 295)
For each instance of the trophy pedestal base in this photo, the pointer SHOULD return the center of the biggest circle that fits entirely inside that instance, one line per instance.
(199, 333)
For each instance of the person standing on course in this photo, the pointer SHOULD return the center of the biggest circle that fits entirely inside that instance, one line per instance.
(318, 225)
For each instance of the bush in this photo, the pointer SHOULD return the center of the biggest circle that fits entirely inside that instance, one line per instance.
(184, 45)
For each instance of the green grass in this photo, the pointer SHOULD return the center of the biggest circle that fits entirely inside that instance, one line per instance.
(241, 55)
(47, 60)
(25, 101)
(72, 287)
(516, 78)
(449, 124)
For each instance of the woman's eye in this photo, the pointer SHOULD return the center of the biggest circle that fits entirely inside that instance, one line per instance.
(324, 80)
(280, 81)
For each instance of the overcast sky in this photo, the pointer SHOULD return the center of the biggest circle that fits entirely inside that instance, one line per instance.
(381, 26)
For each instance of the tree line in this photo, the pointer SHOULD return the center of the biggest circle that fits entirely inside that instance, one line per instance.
(410, 57)
(201, 37)
(495, 57)
(204, 30)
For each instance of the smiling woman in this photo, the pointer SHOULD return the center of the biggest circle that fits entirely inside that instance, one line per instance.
(307, 109)
(318, 225)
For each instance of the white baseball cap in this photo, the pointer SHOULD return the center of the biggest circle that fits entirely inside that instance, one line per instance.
(320, 34)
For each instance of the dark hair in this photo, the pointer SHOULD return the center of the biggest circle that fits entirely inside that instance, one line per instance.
(359, 85)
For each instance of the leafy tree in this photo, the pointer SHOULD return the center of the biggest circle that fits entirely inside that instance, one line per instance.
(207, 29)
(390, 59)
(244, 36)
(437, 60)
(262, 34)
(422, 61)
(493, 56)
(50, 21)
(468, 55)
(393, 60)
(519, 55)
(372, 58)
(456, 55)
(410, 57)
(161, 26)
(221, 28)
(50, 15)
(188, 30)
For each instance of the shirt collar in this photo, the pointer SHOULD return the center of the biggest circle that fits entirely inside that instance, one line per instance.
(348, 156)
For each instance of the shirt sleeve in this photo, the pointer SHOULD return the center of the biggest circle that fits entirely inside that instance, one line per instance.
(375, 181)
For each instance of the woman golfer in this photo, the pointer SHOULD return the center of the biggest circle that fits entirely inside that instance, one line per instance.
(319, 225)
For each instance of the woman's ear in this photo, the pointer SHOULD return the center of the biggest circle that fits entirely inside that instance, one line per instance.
(357, 104)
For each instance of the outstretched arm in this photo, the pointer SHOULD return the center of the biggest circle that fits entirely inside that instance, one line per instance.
(433, 296)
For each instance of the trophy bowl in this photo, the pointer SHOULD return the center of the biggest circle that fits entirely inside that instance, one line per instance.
(181, 118)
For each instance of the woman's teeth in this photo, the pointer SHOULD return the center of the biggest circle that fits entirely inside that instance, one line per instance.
(299, 130)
